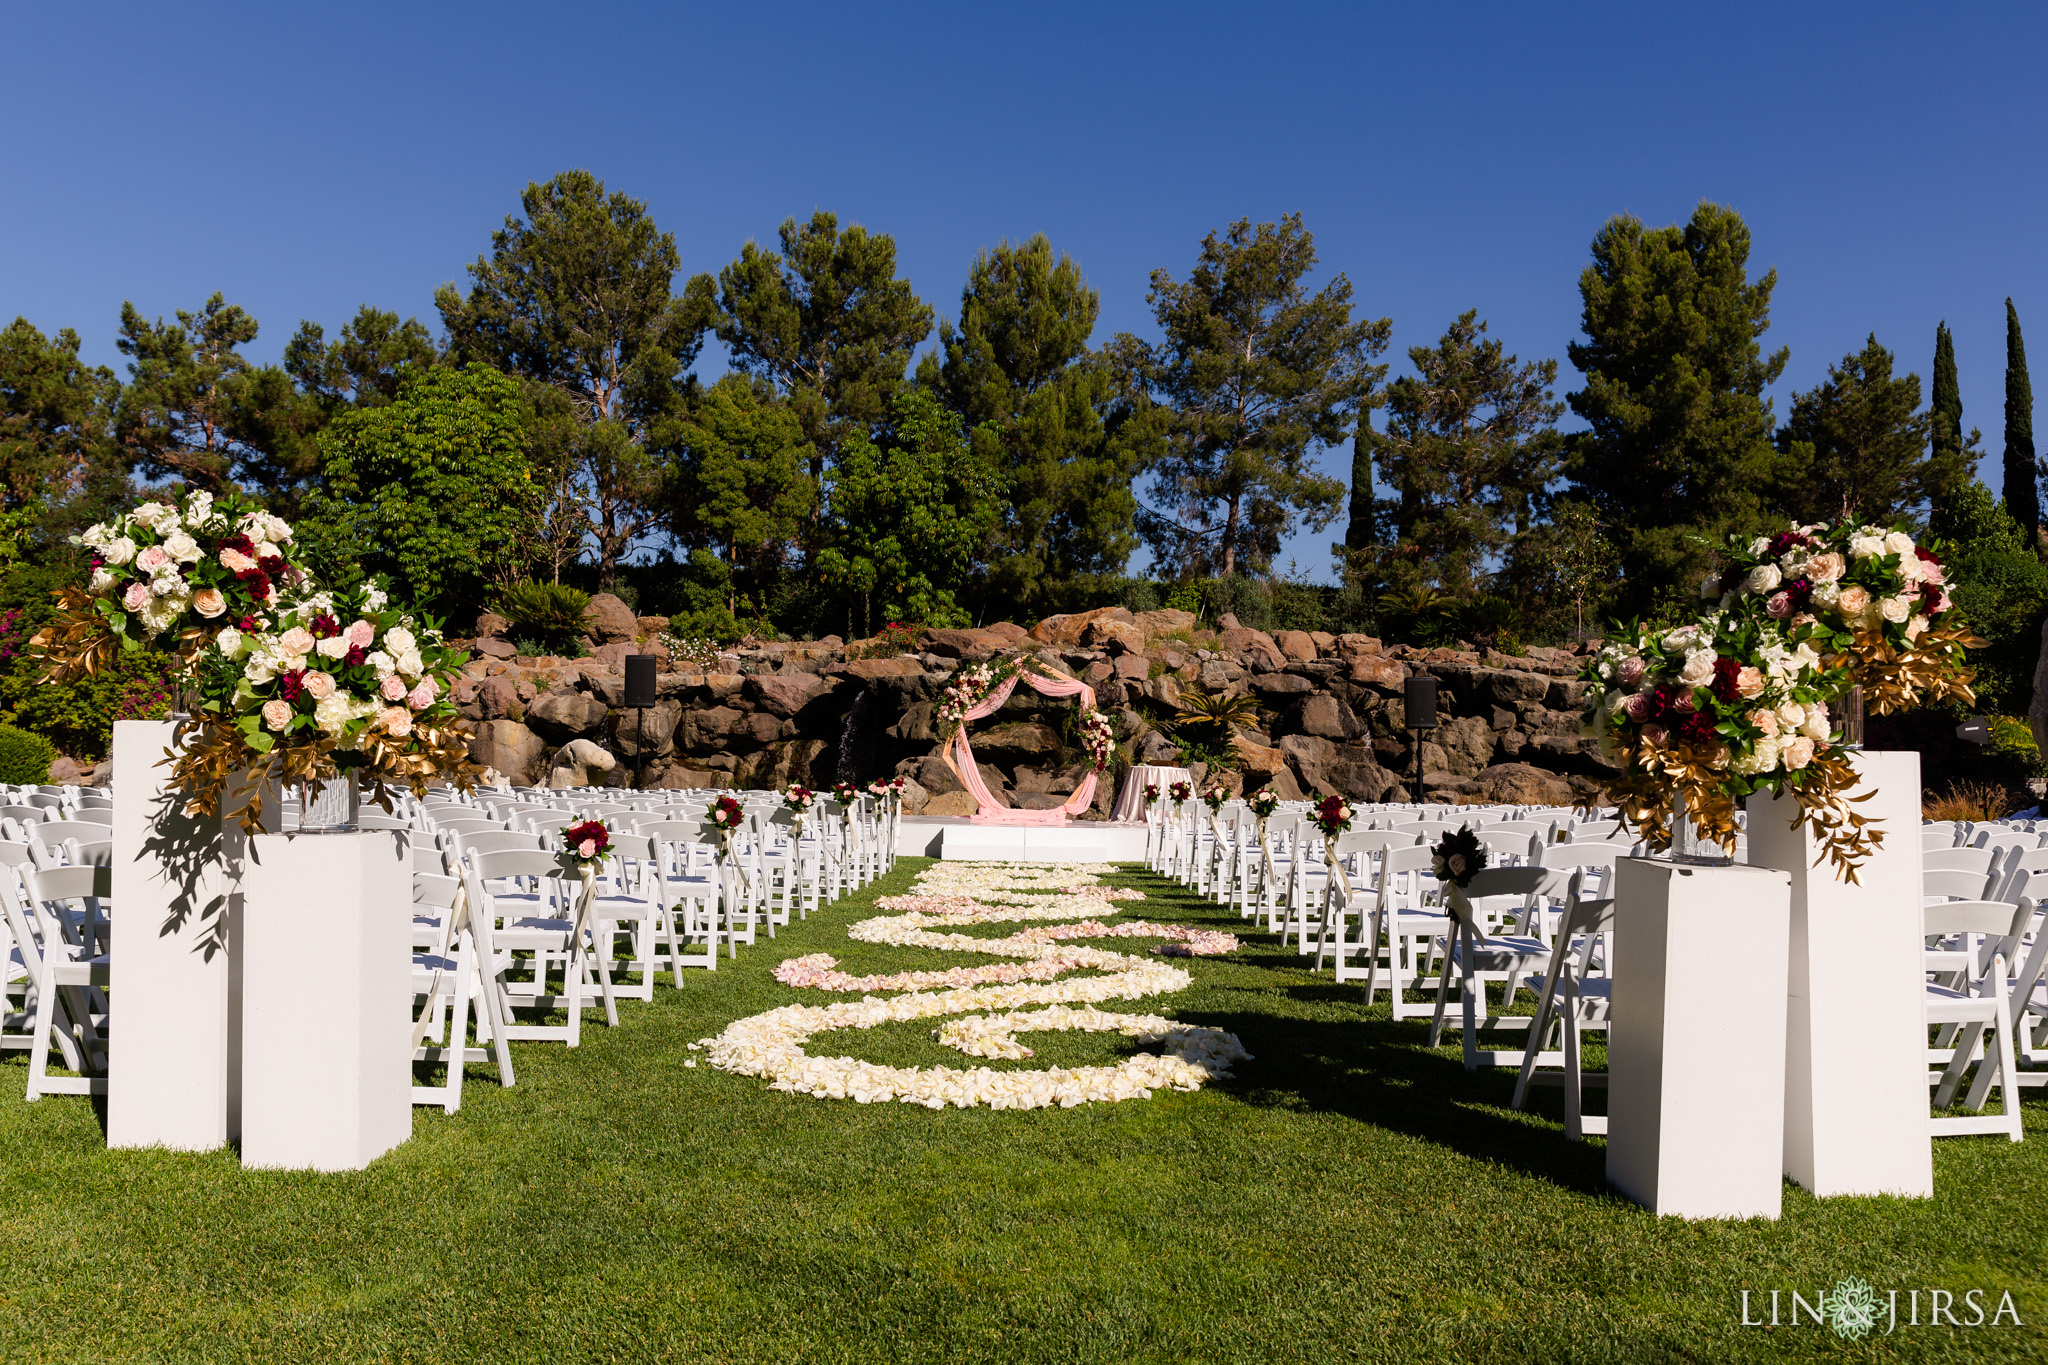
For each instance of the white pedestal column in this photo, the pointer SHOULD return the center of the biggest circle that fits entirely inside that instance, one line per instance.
(171, 1074)
(1856, 1097)
(326, 1000)
(1696, 1057)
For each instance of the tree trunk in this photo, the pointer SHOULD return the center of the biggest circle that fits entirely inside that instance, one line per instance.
(1230, 539)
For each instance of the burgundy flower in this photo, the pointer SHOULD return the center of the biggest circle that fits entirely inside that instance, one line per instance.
(247, 624)
(322, 626)
(291, 686)
(1801, 591)
(272, 565)
(1787, 540)
(1697, 728)
(1723, 685)
(356, 655)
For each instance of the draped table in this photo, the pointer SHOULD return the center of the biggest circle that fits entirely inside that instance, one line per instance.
(1130, 801)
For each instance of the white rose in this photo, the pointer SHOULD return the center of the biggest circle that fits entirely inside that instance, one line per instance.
(97, 536)
(1699, 668)
(333, 647)
(399, 641)
(1910, 567)
(1791, 715)
(182, 548)
(1863, 547)
(1915, 626)
(102, 579)
(383, 663)
(153, 515)
(410, 664)
(332, 713)
(1816, 726)
(1680, 638)
(1901, 544)
(1760, 545)
(1895, 609)
(119, 551)
(1763, 578)
(228, 642)
(1710, 587)
(1766, 754)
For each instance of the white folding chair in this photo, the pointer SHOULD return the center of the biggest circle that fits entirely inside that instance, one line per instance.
(1477, 955)
(1979, 1000)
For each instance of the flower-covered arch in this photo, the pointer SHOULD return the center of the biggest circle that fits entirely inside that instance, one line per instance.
(980, 690)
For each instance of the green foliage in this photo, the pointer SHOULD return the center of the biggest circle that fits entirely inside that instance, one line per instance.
(432, 488)
(1948, 467)
(910, 518)
(1563, 570)
(740, 483)
(1679, 449)
(1255, 370)
(55, 418)
(1855, 445)
(1204, 727)
(364, 364)
(24, 758)
(547, 614)
(2022, 491)
(2000, 587)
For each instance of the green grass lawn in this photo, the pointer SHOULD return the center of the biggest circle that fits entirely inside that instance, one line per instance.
(1348, 1195)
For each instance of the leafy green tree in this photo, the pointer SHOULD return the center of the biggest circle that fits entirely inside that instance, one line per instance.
(741, 483)
(432, 488)
(1044, 409)
(576, 298)
(1564, 558)
(826, 321)
(2001, 589)
(1469, 449)
(55, 423)
(197, 410)
(2022, 491)
(1856, 444)
(912, 518)
(362, 366)
(1679, 449)
(1255, 371)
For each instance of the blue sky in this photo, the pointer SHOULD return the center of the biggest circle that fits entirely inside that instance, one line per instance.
(307, 160)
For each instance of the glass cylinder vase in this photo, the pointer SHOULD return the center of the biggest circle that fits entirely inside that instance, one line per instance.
(329, 806)
(1690, 845)
(1852, 718)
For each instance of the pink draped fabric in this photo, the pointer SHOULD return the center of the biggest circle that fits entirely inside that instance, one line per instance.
(991, 810)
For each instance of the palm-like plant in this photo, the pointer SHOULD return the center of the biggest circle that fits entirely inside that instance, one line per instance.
(1206, 724)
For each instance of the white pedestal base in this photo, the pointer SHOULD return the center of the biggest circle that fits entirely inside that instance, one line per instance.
(172, 1078)
(1696, 1058)
(1084, 842)
(1856, 1097)
(326, 1000)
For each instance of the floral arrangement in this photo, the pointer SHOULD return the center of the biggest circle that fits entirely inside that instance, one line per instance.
(1263, 802)
(585, 845)
(1700, 716)
(771, 1045)
(1459, 856)
(1182, 792)
(1098, 737)
(964, 691)
(175, 574)
(886, 787)
(1871, 596)
(1214, 795)
(726, 814)
(1332, 816)
(845, 793)
(1151, 792)
(799, 798)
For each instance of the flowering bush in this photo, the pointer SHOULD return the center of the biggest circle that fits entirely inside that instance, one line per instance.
(585, 845)
(1458, 857)
(1214, 795)
(187, 570)
(1263, 802)
(1699, 716)
(1873, 597)
(689, 652)
(1332, 816)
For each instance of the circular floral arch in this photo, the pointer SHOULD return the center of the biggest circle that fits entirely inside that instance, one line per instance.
(981, 690)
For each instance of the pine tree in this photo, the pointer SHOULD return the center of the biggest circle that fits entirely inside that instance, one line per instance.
(1855, 445)
(2022, 492)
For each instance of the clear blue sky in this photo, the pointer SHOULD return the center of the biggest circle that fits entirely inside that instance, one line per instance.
(306, 160)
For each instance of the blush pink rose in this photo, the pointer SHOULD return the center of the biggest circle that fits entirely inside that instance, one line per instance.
(393, 688)
(1931, 572)
(1798, 753)
(588, 848)
(297, 640)
(234, 561)
(1684, 702)
(1825, 568)
(1854, 600)
(1637, 707)
(361, 634)
(1749, 682)
(319, 686)
(209, 603)
(397, 720)
(136, 596)
(277, 714)
(421, 697)
(1766, 721)
(1779, 606)
(1632, 670)
(152, 559)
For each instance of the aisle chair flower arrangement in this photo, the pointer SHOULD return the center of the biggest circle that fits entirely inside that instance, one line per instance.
(1458, 857)
(1700, 716)
(1263, 803)
(1182, 792)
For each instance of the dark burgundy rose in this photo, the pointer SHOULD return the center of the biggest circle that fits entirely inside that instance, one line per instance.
(256, 581)
(1787, 540)
(272, 565)
(247, 624)
(241, 544)
(1927, 556)
(1697, 728)
(1723, 686)
(1800, 590)
(355, 656)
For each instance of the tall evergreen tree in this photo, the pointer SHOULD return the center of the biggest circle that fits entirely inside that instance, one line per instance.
(1256, 370)
(1361, 530)
(1044, 409)
(826, 321)
(1679, 448)
(576, 299)
(1947, 468)
(1856, 445)
(55, 417)
(1469, 448)
(362, 366)
(2022, 488)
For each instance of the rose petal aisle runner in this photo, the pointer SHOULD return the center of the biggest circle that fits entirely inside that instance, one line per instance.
(1060, 903)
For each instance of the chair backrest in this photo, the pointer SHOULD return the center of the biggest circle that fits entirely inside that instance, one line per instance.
(467, 825)
(55, 831)
(1372, 841)
(26, 814)
(1981, 860)
(1491, 883)
(430, 860)
(67, 883)
(1508, 843)
(434, 891)
(1976, 917)
(499, 840)
(514, 862)
(1993, 836)
(1959, 884)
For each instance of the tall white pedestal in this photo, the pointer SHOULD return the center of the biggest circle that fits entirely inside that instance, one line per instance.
(1696, 1053)
(1856, 1097)
(326, 1000)
(171, 1069)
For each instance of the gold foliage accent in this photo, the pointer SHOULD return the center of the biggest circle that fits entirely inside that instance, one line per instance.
(1932, 669)
(78, 642)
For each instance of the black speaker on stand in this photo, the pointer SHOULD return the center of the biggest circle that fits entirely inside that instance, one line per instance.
(1421, 707)
(640, 696)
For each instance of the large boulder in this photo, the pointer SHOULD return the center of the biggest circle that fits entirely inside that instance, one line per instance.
(490, 625)
(508, 746)
(1322, 714)
(1066, 631)
(1296, 645)
(1254, 647)
(607, 619)
(564, 715)
(1467, 743)
(1378, 672)
(1522, 785)
(1022, 742)
(951, 803)
(648, 729)
(580, 763)
(1118, 637)
(1165, 621)
(786, 693)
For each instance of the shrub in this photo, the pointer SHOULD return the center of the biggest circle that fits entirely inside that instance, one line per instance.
(1974, 801)
(547, 614)
(25, 758)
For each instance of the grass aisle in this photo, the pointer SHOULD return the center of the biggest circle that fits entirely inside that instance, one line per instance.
(1347, 1195)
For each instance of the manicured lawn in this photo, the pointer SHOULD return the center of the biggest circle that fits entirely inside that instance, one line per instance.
(1349, 1195)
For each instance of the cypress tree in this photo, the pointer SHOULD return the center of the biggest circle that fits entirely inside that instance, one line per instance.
(1947, 466)
(2022, 494)
(1361, 533)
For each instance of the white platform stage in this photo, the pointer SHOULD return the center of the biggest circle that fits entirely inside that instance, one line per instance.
(1080, 841)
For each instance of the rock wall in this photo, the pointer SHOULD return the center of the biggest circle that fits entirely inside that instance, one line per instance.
(1331, 711)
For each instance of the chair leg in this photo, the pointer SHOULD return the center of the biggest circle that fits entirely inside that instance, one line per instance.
(1574, 1088)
